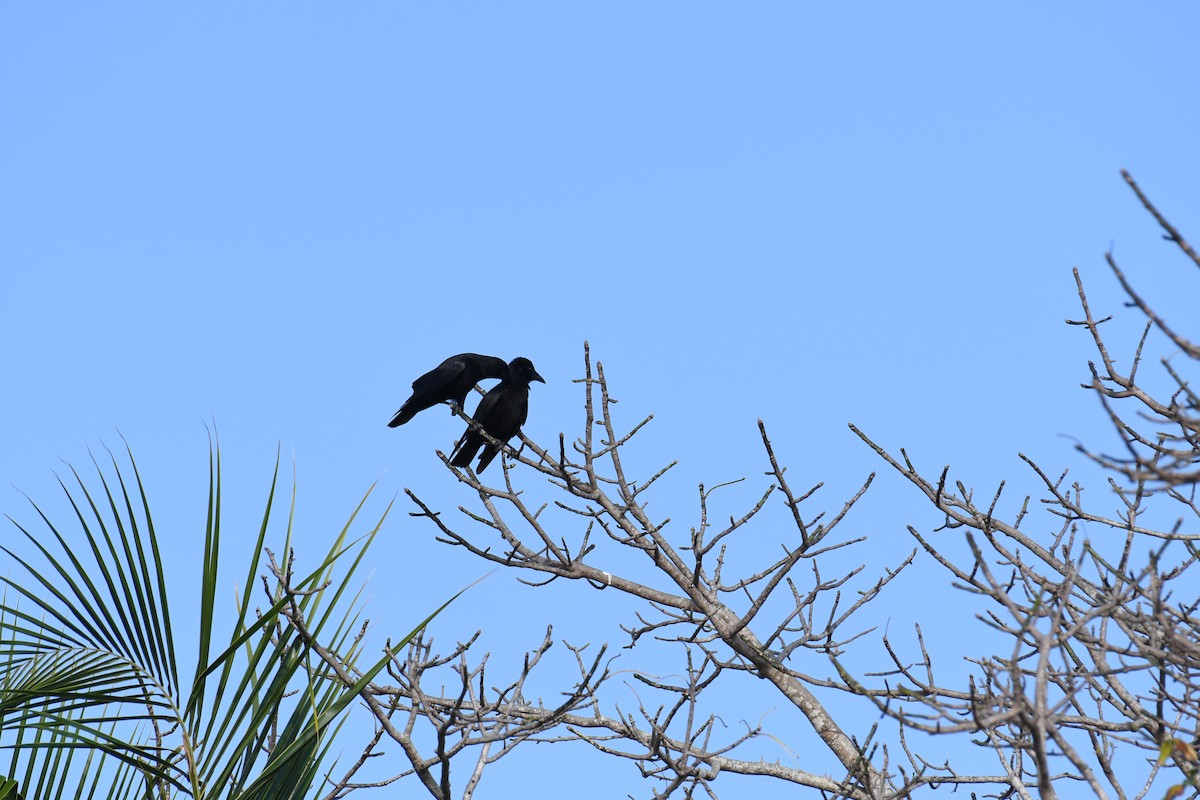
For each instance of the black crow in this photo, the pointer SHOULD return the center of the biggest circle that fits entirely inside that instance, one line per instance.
(501, 412)
(449, 382)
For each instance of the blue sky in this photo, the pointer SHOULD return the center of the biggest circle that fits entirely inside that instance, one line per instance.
(277, 216)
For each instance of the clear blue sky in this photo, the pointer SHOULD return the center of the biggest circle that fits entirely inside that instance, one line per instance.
(275, 216)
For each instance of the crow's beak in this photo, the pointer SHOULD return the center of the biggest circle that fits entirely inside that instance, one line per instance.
(537, 377)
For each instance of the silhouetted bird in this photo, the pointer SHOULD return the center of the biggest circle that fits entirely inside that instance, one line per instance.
(501, 412)
(449, 382)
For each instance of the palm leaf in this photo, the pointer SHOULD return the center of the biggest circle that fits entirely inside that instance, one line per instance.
(90, 687)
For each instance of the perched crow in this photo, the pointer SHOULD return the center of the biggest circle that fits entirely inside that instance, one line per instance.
(501, 412)
(449, 382)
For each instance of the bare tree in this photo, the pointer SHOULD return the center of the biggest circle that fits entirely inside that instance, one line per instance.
(1096, 681)
(1099, 680)
(722, 627)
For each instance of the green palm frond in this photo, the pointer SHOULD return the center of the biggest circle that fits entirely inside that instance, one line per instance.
(47, 762)
(90, 681)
